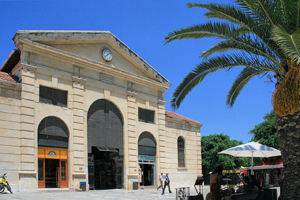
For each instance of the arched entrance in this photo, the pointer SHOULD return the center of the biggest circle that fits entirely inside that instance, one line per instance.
(53, 140)
(147, 153)
(105, 145)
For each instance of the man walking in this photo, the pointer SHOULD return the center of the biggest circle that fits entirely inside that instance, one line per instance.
(161, 178)
(167, 182)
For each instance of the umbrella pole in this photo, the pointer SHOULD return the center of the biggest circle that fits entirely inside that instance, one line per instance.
(252, 164)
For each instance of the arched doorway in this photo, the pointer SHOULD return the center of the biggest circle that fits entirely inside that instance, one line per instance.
(105, 145)
(147, 153)
(53, 137)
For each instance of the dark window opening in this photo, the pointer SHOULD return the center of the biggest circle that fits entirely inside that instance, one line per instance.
(180, 145)
(147, 144)
(40, 169)
(146, 116)
(53, 132)
(53, 96)
(105, 145)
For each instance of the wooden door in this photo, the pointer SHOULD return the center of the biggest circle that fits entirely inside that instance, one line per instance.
(41, 173)
(57, 179)
(63, 176)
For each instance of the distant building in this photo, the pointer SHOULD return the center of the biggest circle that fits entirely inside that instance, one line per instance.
(80, 106)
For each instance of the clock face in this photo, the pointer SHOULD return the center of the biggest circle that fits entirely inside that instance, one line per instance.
(107, 55)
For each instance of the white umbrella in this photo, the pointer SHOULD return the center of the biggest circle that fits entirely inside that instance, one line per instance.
(252, 149)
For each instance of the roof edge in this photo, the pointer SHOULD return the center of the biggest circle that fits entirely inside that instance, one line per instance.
(180, 118)
(64, 35)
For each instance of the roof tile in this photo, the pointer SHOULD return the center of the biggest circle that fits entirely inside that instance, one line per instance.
(174, 115)
(8, 77)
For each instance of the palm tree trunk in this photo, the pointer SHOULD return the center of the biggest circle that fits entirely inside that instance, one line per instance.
(288, 130)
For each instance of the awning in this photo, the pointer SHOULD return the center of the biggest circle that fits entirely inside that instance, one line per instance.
(266, 167)
(110, 149)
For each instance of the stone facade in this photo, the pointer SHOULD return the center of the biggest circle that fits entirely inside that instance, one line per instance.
(72, 61)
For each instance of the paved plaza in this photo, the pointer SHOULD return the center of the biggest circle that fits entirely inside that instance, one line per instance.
(142, 194)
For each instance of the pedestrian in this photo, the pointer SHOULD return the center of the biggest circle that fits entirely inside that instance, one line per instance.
(254, 184)
(215, 183)
(161, 178)
(167, 183)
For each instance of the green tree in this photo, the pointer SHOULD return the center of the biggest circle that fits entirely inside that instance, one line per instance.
(265, 132)
(262, 37)
(213, 144)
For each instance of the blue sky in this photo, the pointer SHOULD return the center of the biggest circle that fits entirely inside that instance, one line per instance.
(142, 26)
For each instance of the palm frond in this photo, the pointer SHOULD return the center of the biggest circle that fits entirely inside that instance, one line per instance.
(241, 81)
(248, 30)
(263, 11)
(244, 17)
(290, 14)
(212, 65)
(244, 30)
(226, 12)
(244, 43)
(216, 29)
(290, 43)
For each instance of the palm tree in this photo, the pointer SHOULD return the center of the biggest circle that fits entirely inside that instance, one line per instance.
(263, 37)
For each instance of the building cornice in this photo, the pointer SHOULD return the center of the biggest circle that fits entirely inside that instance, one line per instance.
(10, 85)
(75, 37)
(184, 122)
(85, 62)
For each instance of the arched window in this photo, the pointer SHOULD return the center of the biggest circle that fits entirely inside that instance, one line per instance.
(105, 145)
(104, 126)
(147, 144)
(180, 147)
(53, 132)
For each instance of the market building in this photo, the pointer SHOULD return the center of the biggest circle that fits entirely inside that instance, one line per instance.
(80, 106)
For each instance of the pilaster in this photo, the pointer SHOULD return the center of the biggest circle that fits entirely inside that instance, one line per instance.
(162, 133)
(132, 135)
(79, 144)
(28, 136)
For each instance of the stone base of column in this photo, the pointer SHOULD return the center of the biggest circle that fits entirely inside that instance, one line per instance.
(27, 183)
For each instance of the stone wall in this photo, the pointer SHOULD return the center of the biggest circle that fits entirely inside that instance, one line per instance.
(190, 132)
(10, 116)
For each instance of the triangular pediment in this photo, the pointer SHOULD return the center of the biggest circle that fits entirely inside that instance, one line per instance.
(90, 45)
(94, 52)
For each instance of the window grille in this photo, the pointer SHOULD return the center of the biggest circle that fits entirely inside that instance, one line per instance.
(146, 144)
(106, 78)
(53, 132)
(146, 116)
(53, 96)
(181, 156)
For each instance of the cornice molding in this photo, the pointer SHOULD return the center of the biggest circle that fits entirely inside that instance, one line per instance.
(161, 101)
(184, 122)
(82, 61)
(64, 37)
(131, 93)
(26, 67)
(79, 80)
(10, 85)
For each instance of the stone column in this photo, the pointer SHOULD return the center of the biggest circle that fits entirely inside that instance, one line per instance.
(28, 132)
(78, 141)
(132, 136)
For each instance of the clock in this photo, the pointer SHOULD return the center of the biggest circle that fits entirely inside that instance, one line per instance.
(107, 55)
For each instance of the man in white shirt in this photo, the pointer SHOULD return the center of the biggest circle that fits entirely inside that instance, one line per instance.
(161, 178)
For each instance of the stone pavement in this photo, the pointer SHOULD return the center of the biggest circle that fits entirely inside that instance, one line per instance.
(142, 194)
